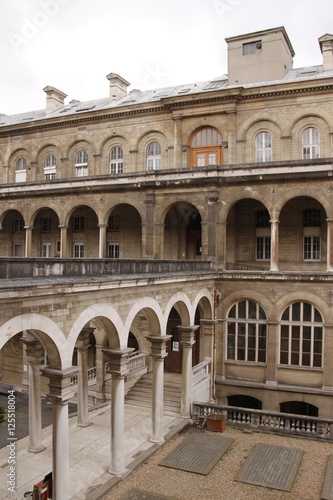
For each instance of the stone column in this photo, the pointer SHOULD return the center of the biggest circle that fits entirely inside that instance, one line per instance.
(212, 201)
(272, 354)
(177, 141)
(274, 245)
(100, 378)
(60, 392)
(28, 240)
(158, 353)
(187, 339)
(207, 345)
(149, 227)
(118, 367)
(63, 241)
(82, 345)
(34, 356)
(327, 359)
(231, 147)
(102, 241)
(329, 245)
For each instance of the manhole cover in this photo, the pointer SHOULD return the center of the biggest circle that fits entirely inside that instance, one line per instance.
(271, 466)
(197, 453)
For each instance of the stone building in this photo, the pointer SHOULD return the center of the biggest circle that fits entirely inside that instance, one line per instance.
(187, 226)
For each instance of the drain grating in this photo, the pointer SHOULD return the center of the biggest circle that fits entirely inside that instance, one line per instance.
(327, 493)
(197, 453)
(271, 466)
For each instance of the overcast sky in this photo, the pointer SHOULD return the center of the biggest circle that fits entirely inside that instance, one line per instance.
(73, 44)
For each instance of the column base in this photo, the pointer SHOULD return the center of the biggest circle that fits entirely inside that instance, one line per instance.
(156, 440)
(36, 449)
(118, 473)
(83, 424)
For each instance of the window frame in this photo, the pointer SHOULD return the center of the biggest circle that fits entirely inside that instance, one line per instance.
(113, 250)
(310, 144)
(263, 152)
(297, 332)
(154, 156)
(78, 223)
(81, 163)
(206, 143)
(116, 162)
(78, 250)
(50, 166)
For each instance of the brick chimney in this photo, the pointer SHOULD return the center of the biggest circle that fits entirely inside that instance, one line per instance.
(326, 47)
(118, 86)
(54, 99)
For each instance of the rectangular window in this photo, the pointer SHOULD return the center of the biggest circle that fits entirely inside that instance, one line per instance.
(311, 248)
(114, 223)
(113, 252)
(251, 47)
(17, 250)
(18, 225)
(78, 251)
(46, 250)
(79, 223)
(263, 248)
(81, 171)
(46, 225)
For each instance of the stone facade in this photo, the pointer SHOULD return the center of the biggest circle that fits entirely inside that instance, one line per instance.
(237, 173)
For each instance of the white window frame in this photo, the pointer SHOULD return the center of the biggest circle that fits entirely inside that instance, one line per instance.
(78, 250)
(50, 166)
(263, 247)
(263, 147)
(154, 156)
(311, 248)
(46, 250)
(17, 250)
(310, 143)
(116, 160)
(21, 170)
(81, 163)
(113, 251)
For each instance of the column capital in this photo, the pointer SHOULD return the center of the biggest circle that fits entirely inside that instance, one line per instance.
(117, 361)
(34, 350)
(60, 383)
(187, 334)
(158, 345)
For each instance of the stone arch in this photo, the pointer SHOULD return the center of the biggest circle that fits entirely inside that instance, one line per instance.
(307, 191)
(183, 305)
(45, 330)
(108, 319)
(305, 121)
(250, 194)
(147, 138)
(154, 314)
(205, 301)
(302, 296)
(255, 121)
(258, 297)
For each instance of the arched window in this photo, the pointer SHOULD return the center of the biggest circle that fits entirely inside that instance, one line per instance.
(50, 165)
(246, 332)
(310, 144)
(116, 160)
(263, 147)
(301, 336)
(21, 169)
(81, 163)
(154, 156)
(206, 148)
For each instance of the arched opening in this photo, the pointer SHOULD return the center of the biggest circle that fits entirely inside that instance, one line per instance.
(206, 147)
(243, 401)
(182, 232)
(299, 408)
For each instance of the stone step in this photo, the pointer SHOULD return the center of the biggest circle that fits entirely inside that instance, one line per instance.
(141, 395)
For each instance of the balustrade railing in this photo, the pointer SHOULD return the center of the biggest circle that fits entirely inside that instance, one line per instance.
(283, 423)
(200, 371)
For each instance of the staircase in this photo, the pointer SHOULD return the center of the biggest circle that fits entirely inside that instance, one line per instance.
(140, 395)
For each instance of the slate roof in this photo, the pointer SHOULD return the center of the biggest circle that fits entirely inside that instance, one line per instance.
(136, 97)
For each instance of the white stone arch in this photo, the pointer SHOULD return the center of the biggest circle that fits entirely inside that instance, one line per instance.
(107, 316)
(154, 313)
(205, 298)
(245, 294)
(45, 330)
(184, 307)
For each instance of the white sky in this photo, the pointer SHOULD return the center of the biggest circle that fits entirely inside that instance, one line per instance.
(73, 44)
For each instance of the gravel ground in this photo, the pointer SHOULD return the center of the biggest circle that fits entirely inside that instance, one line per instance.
(220, 483)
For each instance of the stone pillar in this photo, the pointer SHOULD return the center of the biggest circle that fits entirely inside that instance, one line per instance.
(207, 346)
(100, 377)
(272, 352)
(329, 245)
(63, 241)
(177, 141)
(274, 245)
(118, 367)
(60, 392)
(327, 359)
(102, 241)
(149, 227)
(28, 240)
(231, 146)
(187, 339)
(158, 353)
(221, 244)
(25, 374)
(34, 356)
(82, 345)
(212, 201)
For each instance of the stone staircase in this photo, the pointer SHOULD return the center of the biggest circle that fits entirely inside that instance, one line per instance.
(140, 395)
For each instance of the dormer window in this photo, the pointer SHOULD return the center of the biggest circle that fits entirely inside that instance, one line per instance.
(251, 47)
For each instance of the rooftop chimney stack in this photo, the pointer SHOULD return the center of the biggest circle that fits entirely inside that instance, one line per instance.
(118, 86)
(55, 99)
(326, 47)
